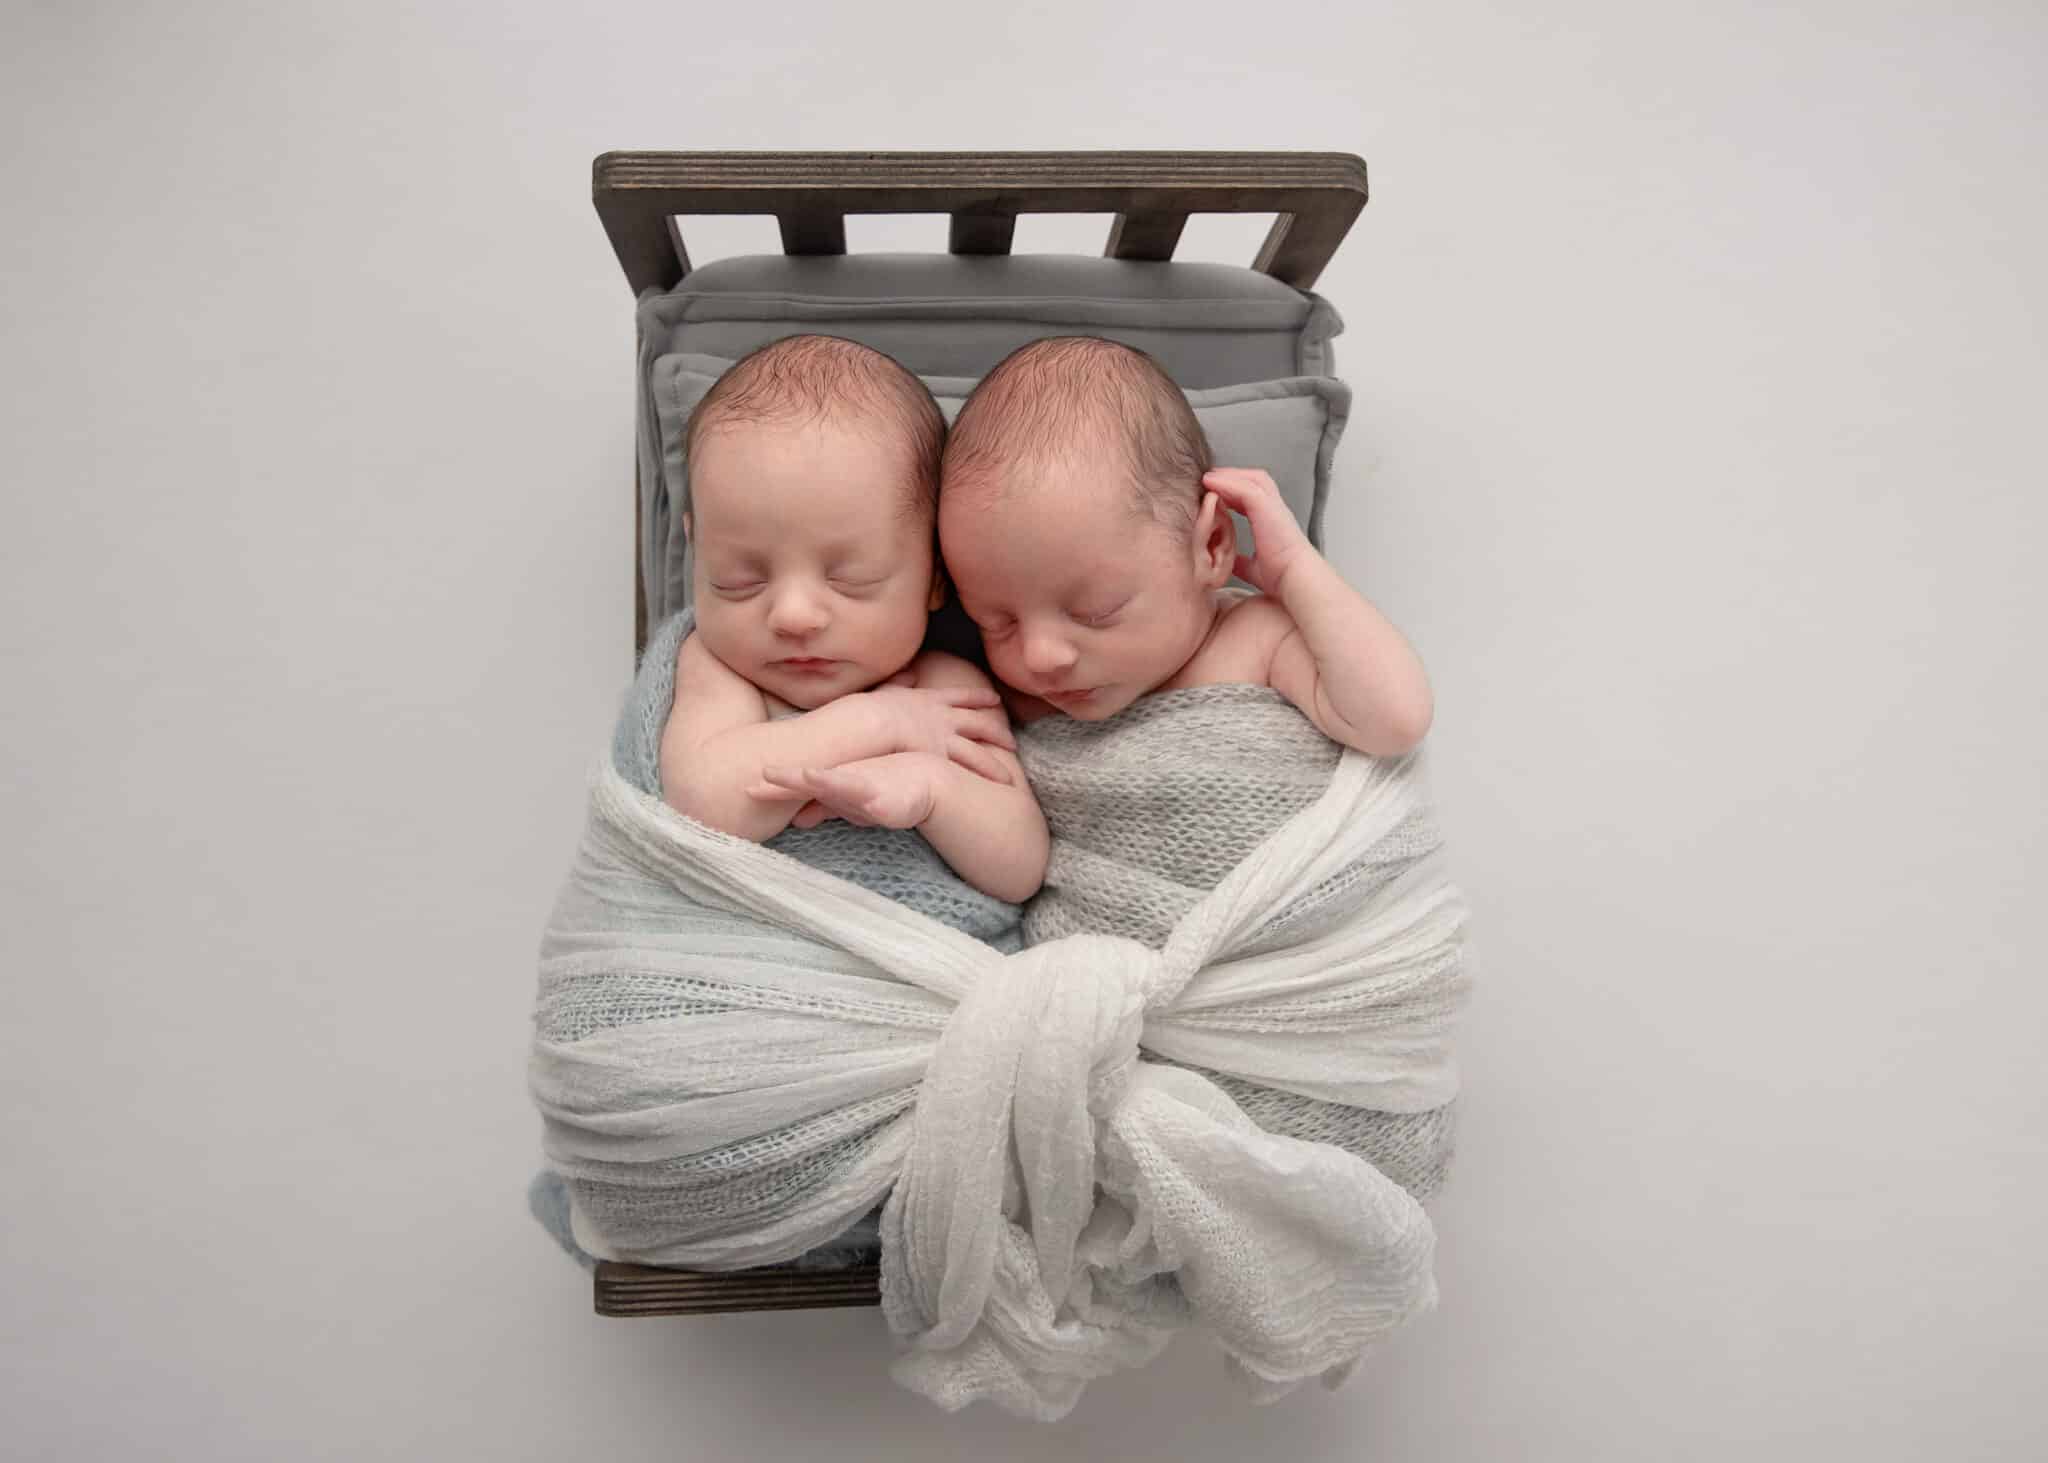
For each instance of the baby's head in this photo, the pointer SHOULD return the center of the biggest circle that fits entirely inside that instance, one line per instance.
(1076, 527)
(814, 471)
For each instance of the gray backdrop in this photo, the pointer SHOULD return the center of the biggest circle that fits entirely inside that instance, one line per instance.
(1699, 369)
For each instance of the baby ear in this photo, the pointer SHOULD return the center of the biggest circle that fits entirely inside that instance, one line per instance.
(1215, 546)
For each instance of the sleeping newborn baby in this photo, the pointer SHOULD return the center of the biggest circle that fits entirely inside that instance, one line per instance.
(791, 706)
(802, 695)
(1090, 537)
(1091, 542)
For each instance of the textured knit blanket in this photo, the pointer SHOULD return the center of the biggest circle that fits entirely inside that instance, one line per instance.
(738, 1054)
(1151, 809)
(629, 1207)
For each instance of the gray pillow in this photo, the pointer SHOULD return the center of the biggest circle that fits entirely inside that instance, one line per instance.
(1289, 427)
(957, 315)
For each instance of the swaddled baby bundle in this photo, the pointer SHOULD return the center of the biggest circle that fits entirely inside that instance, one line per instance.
(739, 1053)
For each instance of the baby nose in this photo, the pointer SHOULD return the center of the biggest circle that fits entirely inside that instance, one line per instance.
(1045, 654)
(796, 610)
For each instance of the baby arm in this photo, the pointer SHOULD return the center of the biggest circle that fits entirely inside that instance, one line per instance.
(1339, 659)
(991, 832)
(719, 739)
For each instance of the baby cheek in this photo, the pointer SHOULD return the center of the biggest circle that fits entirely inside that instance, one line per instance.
(1000, 658)
(890, 624)
(1126, 655)
(715, 628)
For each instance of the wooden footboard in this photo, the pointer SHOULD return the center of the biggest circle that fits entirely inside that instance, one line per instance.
(640, 1290)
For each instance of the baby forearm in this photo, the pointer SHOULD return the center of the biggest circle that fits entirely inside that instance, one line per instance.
(993, 836)
(1369, 680)
(710, 780)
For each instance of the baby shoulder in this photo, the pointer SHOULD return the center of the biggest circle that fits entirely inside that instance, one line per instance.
(1242, 645)
(710, 695)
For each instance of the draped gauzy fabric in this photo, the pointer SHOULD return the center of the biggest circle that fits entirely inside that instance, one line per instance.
(1057, 1207)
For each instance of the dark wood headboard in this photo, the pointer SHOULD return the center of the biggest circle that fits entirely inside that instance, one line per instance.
(1316, 195)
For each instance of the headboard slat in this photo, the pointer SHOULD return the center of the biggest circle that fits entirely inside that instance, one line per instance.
(639, 194)
(1151, 234)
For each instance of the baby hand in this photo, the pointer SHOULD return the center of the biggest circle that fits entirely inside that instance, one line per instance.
(887, 792)
(956, 722)
(1278, 543)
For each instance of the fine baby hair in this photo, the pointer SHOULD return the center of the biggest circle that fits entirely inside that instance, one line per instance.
(1072, 395)
(812, 377)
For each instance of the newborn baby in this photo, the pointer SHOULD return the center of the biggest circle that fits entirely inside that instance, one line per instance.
(814, 477)
(801, 695)
(1089, 536)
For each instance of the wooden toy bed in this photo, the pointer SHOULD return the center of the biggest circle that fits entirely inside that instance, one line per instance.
(734, 304)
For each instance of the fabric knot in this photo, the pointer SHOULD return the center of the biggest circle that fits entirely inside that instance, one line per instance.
(1091, 988)
(1035, 1058)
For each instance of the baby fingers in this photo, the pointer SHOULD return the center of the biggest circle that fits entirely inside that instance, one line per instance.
(1242, 481)
(779, 784)
(979, 760)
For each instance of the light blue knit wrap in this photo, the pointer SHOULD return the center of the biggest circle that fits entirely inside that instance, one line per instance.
(894, 862)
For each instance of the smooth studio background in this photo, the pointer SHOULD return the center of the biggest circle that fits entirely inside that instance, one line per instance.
(1700, 367)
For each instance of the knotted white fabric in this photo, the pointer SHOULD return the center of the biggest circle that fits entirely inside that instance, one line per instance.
(1057, 1207)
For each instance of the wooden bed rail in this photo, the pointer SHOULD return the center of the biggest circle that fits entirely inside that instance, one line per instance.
(1316, 195)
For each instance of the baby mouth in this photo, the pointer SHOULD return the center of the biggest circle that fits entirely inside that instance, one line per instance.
(806, 663)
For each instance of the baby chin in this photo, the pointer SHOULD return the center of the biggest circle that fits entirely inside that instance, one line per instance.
(1092, 703)
(811, 681)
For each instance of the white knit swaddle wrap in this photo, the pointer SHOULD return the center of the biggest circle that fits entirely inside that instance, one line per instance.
(1059, 1208)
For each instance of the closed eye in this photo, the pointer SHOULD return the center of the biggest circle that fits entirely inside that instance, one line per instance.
(1102, 617)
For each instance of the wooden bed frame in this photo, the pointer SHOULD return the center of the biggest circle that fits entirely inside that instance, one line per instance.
(1316, 195)
(639, 196)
